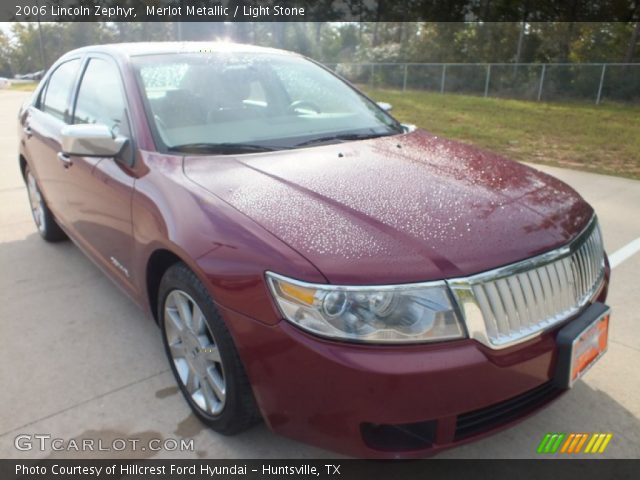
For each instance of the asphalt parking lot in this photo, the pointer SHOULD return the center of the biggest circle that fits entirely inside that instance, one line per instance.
(79, 360)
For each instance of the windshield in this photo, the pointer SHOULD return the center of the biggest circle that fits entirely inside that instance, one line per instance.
(246, 102)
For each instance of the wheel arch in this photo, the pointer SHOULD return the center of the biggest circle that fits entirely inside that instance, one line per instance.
(159, 262)
(23, 166)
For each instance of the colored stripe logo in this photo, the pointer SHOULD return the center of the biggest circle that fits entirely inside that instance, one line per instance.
(574, 443)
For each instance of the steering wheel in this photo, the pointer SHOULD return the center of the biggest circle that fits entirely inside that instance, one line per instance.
(304, 105)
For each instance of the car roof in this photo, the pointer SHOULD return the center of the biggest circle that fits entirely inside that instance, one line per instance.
(126, 50)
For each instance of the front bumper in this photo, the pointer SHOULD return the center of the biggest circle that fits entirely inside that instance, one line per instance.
(391, 401)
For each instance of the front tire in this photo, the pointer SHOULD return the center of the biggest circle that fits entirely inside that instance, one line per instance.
(42, 216)
(202, 354)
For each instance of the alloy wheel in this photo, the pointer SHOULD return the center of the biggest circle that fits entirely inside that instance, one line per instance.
(36, 202)
(194, 352)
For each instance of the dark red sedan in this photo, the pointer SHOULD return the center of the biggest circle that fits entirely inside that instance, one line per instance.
(358, 284)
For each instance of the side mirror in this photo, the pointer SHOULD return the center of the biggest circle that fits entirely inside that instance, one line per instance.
(91, 140)
(408, 127)
(385, 106)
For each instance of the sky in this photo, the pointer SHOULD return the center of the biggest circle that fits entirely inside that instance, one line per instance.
(5, 27)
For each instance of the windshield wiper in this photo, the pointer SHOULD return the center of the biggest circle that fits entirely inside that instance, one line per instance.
(343, 137)
(223, 148)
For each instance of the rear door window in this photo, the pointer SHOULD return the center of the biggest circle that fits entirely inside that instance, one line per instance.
(57, 94)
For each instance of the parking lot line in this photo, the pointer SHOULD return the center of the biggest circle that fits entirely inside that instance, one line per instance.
(624, 253)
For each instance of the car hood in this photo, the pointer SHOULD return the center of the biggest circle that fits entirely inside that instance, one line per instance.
(405, 208)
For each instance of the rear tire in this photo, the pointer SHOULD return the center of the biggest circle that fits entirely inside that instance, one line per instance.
(45, 222)
(202, 354)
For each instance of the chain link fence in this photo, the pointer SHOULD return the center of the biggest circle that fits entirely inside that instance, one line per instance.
(589, 82)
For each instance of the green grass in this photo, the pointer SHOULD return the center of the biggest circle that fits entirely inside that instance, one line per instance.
(24, 87)
(603, 139)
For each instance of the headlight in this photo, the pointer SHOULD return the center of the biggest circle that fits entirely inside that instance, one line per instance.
(421, 312)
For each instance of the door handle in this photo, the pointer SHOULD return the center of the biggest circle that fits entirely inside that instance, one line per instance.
(66, 161)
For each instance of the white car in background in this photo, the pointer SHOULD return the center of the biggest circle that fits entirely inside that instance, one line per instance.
(5, 82)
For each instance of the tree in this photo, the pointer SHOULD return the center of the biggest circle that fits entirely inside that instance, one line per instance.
(5, 56)
(633, 41)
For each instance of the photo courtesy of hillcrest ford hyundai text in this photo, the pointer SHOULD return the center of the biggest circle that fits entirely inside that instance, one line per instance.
(356, 283)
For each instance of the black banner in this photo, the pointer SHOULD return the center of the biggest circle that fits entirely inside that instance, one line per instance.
(318, 469)
(318, 10)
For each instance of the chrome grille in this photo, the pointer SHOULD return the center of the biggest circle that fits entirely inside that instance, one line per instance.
(517, 302)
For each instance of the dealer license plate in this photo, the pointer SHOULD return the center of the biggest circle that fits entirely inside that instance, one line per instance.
(589, 346)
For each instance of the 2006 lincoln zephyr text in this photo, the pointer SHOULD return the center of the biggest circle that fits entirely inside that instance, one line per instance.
(358, 284)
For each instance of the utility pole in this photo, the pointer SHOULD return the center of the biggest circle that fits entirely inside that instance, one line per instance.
(182, 7)
(519, 47)
(43, 58)
(523, 26)
(520, 39)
